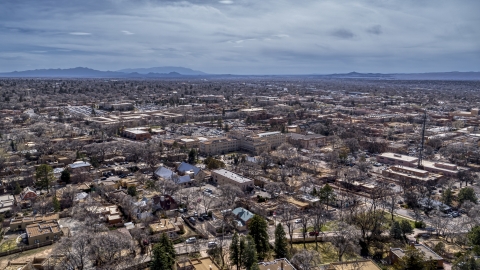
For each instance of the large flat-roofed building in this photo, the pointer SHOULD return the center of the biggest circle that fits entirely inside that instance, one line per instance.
(224, 177)
(23, 222)
(275, 138)
(446, 169)
(42, 232)
(306, 141)
(411, 174)
(397, 159)
(137, 134)
(218, 146)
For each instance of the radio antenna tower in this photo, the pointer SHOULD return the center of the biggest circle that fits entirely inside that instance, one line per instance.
(420, 153)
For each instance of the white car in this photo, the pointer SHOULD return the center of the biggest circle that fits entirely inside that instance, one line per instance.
(191, 240)
(298, 221)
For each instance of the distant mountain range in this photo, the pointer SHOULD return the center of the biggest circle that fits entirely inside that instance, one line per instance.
(82, 72)
(180, 72)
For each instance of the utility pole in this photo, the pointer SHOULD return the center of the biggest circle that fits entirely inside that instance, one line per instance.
(420, 157)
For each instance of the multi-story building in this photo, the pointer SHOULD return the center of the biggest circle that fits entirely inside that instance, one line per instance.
(224, 177)
(42, 232)
(137, 134)
(411, 174)
(23, 222)
(306, 141)
(446, 169)
(218, 146)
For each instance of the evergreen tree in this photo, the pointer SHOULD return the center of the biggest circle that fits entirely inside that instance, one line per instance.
(44, 176)
(18, 189)
(235, 250)
(406, 227)
(192, 155)
(466, 262)
(65, 176)
(467, 194)
(281, 243)
(326, 195)
(163, 254)
(56, 203)
(250, 259)
(396, 231)
(258, 230)
(447, 196)
(132, 191)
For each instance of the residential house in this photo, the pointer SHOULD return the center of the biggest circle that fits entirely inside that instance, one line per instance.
(354, 265)
(42, 232)
(244, 216)
(397, 253)
(22, 222)
(167, 174)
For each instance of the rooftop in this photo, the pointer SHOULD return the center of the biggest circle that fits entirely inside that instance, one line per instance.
(276, 264)
(232, 176)
(398, 157)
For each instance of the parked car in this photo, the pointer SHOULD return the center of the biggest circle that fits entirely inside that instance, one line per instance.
(298, 221)
(212, 244)
(313, 233)
(195, 213)
(191, 240)
(200, 218)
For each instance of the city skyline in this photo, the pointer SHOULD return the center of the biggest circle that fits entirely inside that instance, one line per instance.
(242, 37)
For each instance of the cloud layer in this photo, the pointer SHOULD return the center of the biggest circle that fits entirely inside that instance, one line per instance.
(242, 36)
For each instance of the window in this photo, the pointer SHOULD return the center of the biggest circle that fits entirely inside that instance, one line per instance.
(37, 241)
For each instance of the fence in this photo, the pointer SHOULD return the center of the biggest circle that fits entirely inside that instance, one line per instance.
(25, 248)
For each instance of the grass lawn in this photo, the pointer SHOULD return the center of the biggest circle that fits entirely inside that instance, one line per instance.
(328, 253)
(329, 226)
(8, 245)
(388, 216)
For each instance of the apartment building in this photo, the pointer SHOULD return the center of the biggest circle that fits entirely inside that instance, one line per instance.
(23, 222)
(306, 141)
(411, 174)
(137, 134)
(218, 146)
(224, 177)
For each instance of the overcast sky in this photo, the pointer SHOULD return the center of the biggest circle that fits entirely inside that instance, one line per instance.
(242, 36)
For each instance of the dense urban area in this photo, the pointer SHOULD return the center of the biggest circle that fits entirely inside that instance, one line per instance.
(256, 173)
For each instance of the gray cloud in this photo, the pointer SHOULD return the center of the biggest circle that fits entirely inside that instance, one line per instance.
(376, 30)
(242, 36)
(342, 33)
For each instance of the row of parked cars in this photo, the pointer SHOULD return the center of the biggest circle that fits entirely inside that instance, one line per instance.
(192, 240)
(200, 218)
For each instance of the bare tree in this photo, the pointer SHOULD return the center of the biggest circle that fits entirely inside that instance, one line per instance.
(306, 259)
(345, 239)
(288, 213)
(229, 194)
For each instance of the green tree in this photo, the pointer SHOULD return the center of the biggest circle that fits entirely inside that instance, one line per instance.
(281, 243)
(65, 176)
(412, 260)
(163, 254)
(406, 227)
(192, 156)
(327, 195)
(18, 189)
(467, 194)
(396, 231)
(250, 258)
(219, 123)
(235, 250)
(447, 196)
(132, 191)
(474, 238)
(56, 204)
(258, 230)
(466, 262)
(44, 176)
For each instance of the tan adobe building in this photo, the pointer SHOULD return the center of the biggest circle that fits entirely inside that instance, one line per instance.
(23, 222)
(205, 263)
(354, 265)
(137, 134)
(283, 264)
(218, 146)
(410, 174)
(446, 169)
(224, 177)
(170, 227)
(44, 231)
(306, 141)
(397, 253)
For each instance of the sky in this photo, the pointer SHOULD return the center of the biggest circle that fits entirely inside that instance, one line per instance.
(242, 36)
